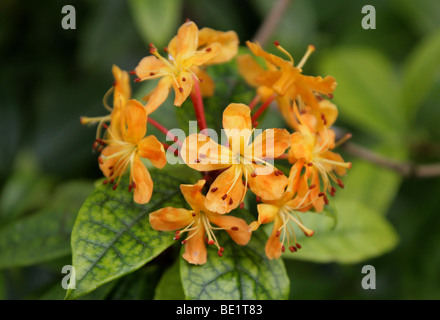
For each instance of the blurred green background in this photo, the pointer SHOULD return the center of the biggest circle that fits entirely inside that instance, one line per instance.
(388, 93)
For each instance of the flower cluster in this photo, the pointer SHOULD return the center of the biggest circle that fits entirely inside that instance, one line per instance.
(246, 163)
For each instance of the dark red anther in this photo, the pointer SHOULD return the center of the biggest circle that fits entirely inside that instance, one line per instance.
(323, 117)
(312, 186)
(234, 228)
(100, 160)
(321, 194)
(165, 49)
(280, 173)
(137, 80)
(258, 199)
(326, 199)
(275, 172)
(340, 183)
(176, 237)
(292, 249)
(152, 74)
(151, 45)
(105, 127)
(283, 248)
(208, 49)
(253, 174)
(242, 205)
(214, 189)
(183, 241)
(193, 214)
(133, 184)
(278, 233)
(112, 180)
(220, 254)
(130, 186)
(183, 79)
(221, 249)
(230, 201)
(132, 72)
(105, 181)
(114, 187)
(224, 196)
(298, 245)
(277, 43)
(198, 160)
(201, 80)
(330, 95)
(180, 89)
(310, 164)
(211, 242)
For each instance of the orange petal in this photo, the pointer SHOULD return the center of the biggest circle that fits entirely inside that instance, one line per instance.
(286, 110)
(267, 213)
(122, 85)
(226, 193)
(273, 244)
(229, 43)
(144, 185)
(150, 66)
(107, 166)
(193, 195)
(170, 219)
(273, 59)
(237, 124)
(151, 149)
(202, 153)
(240, 231)
(135, 119)
(249, 69)
(159, 94)
(341, 170)
(195, 248)
(205, 55)
(270, 144)
(301, 147)
(187, 40)
(207, 84)
(182, 87)
(267, 184)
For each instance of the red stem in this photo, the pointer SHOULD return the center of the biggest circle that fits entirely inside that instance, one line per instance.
(254, 102)
(164, 130)
(199, 109)
(263, 107)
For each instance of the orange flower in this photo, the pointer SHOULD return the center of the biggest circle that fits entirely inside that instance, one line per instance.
(189, 50)
(313, 149)
(126, 145)
(284, 78)
(197, 222)
(121, 94)
(282, 212)
(239, 159)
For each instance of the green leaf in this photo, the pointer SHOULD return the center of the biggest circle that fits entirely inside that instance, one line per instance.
(242, 273)
(360, 234)
(156, 21)
(112, 235)
(420, 71)
(170, 285)
(44, 235)
(25, 190)
(367, 92)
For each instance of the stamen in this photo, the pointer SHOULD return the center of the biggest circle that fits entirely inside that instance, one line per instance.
(309, 51)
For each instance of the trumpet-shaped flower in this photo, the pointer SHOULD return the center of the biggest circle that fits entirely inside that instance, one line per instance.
(284, 213)
(121, 94)
(187, 52)
(321, 164)
(284, 78)
(239, 159)
(126, 144)
(198, 223)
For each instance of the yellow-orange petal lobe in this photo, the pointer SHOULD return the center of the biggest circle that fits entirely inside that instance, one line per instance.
(267, 183)
(107, 165)
(170, 219)
(159, 94)
(267, 213)
(270, 144)
(273, 244)
(151, 149)
(122, 84)
(226, 192)
(187, 40)
(143, 183)
(228, 40)
(195, 248)
(150, 67)
(202, 153)
(193, 195)
(237, 228)
(135, 119)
